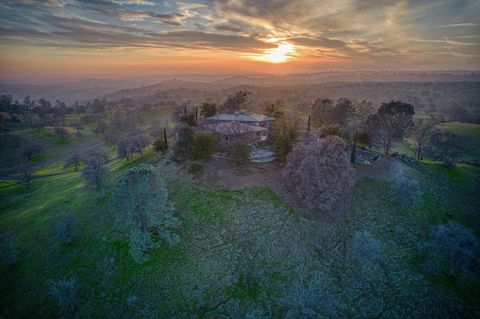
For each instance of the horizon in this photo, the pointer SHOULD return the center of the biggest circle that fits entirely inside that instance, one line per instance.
(77, 39)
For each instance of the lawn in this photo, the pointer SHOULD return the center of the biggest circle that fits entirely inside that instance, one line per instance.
(472, 134)
(243, 253)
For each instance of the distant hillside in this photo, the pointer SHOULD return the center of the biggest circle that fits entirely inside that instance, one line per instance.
(265, 80)
(68, 92)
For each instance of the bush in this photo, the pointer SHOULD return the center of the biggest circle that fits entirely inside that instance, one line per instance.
(64, 292)
(63, 229)
(407, 192)
(453, 245)
(365, 248)
(160, 146)
(239, 153)
(195, 169)
(203, 146)
(320, 174)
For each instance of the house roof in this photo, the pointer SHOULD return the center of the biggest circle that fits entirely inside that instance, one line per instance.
(234, 128)
(241, 116)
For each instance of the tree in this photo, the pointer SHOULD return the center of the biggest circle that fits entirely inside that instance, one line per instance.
(353, 154)
(362, 111)
(203, 146)
(61, 132)
(284, 134)
(141, 204)
(273, 111)
(27, 175)
(125, 148)
(239, 153)
(188, 118)
(208, 109)
(74, 159)
(236, 102)
(421, 132)
(320, 174)
(446, 147)
(95, 171)
(183, 145)
(139, 141)
(101, 128)
(31, 149)
(389, 123)
(329, 112)
(78, 127)
(364, 138)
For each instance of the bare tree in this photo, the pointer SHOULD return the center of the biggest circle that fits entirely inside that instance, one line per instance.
(74, 159)
(27, 175)
(95, 171)
(32, 149)
(61, 132)
(421, 133)
(78, 127)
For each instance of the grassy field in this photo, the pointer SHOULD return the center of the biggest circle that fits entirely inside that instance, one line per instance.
(243, 253)
(472, 134)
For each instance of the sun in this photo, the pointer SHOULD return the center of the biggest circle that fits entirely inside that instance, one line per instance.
(282, 53)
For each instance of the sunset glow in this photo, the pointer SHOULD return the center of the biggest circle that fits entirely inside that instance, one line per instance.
(278, 55)
(72, 37)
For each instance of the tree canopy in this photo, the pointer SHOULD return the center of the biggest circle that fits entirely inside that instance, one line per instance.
(142, 206)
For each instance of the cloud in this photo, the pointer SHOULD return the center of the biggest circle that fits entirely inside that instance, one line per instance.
(353, 29)
(456, 25)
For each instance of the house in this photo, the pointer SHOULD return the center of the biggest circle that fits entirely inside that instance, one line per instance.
(240, 127)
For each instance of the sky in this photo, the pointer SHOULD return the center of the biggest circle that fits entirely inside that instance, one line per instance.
(134, 37)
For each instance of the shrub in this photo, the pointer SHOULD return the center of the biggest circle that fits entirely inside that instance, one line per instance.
(63, 228)
(365, 248)
(64, 292)
(141, 203)
(320, 174)
(454, 245)
(239, 153)
(160, 146)
(203, 146)
(195, 169)
(407, 192)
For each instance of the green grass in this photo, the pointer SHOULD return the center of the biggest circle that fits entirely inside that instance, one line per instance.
(470, 131)
(208, 214)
